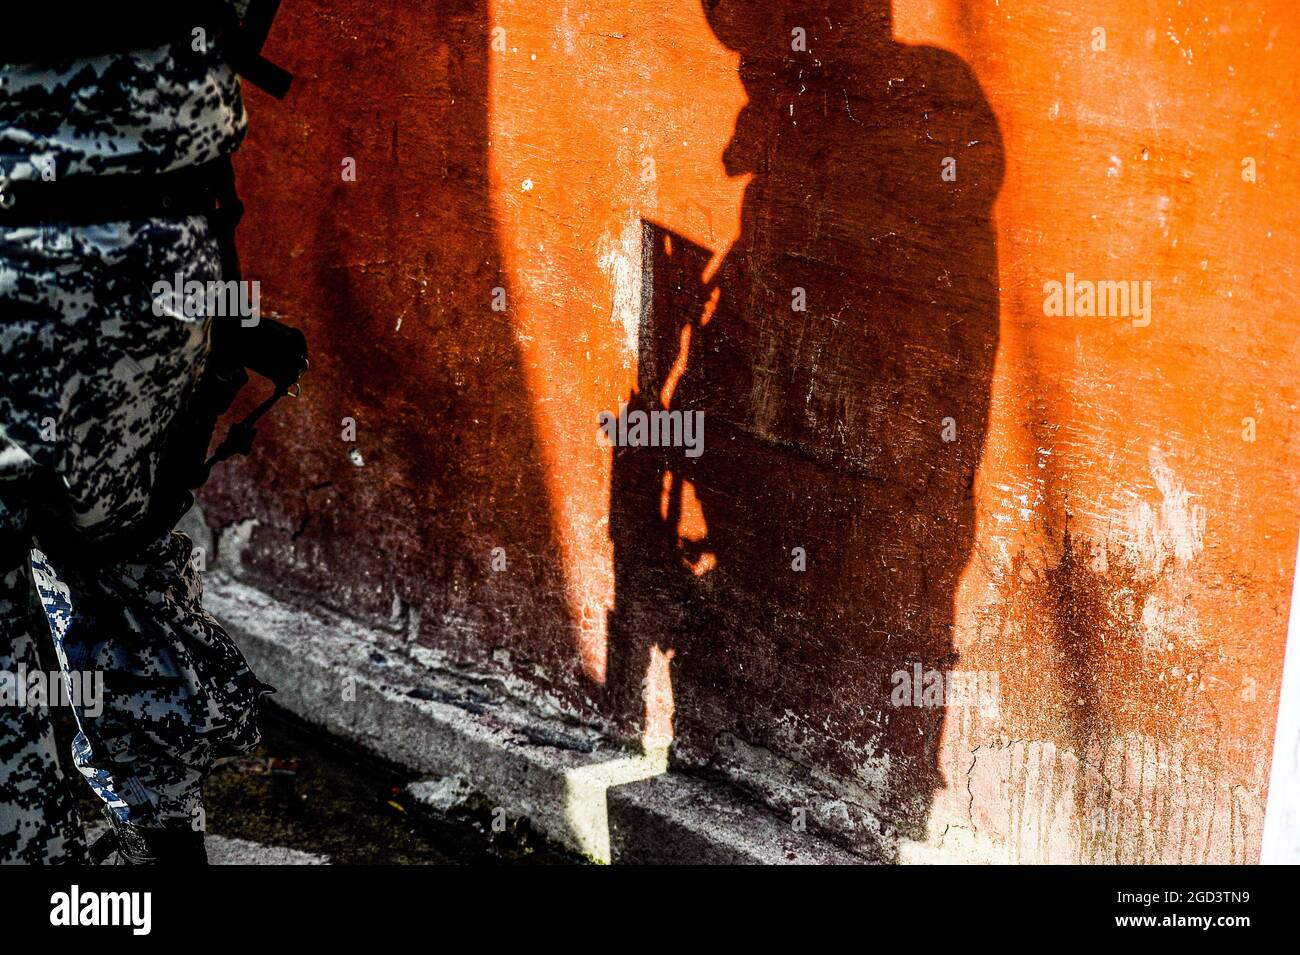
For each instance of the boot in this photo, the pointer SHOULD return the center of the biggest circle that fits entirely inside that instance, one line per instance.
(175, 843)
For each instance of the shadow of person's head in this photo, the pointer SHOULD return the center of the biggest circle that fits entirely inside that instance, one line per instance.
(768, 29)
(800, 52)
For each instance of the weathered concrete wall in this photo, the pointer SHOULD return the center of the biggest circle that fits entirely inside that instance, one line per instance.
(830, 231)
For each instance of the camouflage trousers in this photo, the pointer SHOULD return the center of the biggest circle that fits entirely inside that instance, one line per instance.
(91, 383)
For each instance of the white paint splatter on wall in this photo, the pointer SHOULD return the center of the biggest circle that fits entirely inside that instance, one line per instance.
(1173, 528)
(620, 260)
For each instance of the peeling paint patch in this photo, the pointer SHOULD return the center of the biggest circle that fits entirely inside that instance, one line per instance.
(1164, 621)
(620, 260)
(1134, 800)
(568, 33)
(1173, 528)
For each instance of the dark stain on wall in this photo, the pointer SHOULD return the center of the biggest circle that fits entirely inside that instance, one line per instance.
(392, 276)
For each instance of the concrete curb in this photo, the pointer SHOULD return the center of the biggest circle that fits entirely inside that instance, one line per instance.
(572, 784)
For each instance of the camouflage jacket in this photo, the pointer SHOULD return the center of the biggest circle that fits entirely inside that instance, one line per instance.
(140, 112)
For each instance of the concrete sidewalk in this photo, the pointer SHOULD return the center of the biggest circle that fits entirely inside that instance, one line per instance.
(305, 798)
(497, 763)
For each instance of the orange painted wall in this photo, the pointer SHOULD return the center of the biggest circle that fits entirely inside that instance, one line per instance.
(1109, 531)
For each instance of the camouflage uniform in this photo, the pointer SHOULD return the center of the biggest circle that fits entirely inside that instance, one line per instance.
(93, 382)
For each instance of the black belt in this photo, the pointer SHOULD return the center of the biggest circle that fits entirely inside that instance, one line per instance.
(89, 200)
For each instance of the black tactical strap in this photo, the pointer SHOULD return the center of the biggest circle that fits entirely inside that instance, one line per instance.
(89, 200)
(73, 29)
(247, 58)
(52, 33)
